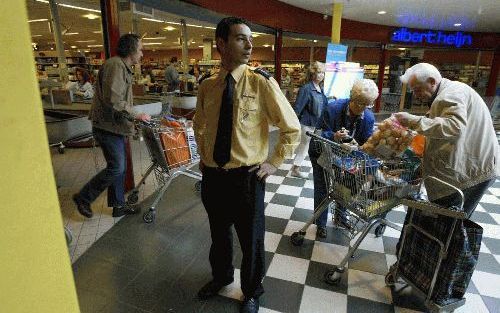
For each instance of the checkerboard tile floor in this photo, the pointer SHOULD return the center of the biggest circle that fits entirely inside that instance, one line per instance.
(294, 280)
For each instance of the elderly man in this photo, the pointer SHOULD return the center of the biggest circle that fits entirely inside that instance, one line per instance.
(461, 146)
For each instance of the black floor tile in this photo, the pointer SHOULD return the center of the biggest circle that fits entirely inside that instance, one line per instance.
(492, 244)
(301, 215)
(487, 263)
(284, 200)
(357, 305)
(217, 305)
(336, 236)
(493, 304)
(119, 307)
(92, 301)
(304, 251)
(482, 217)
(491, 208)
(297, 182)
(307, 193)
(369, 261)
(275, 224)
(281, 295)
(316, 278)
(390, 244)
(404, 297)
(282, 173)
(272, 187)
(305, 169)
(472, 288)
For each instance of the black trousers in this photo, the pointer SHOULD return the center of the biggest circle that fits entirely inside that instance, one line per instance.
(236, 197)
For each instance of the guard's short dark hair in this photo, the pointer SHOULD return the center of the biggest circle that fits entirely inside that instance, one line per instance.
(224, 26)
(127, 44)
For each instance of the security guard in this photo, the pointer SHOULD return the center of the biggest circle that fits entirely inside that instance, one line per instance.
(231, 124)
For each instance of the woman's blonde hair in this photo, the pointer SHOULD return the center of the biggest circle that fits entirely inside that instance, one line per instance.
(314, 69)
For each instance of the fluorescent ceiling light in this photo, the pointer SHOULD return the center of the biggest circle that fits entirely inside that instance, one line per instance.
(94, 46)
(36, 35)
(457, 24)
(70, 34)
(200, 46)
(152, 20)
(381, 12)
(154, 38)
(315, 40)
(38, 20)
(402, 48)
(97, 31)
(209, 27)
(91, 16)
(173, 23)
(169, 28)
(151, 43)
(85, 40)
(266, 45)
(73, 47)
(198, 26)
(73, 6)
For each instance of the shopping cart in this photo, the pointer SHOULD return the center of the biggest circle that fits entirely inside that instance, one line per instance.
(362, 190)
(172, 154)
(428, 232)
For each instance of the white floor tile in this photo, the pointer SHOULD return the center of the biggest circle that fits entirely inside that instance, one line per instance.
(371, 243)
(490, 231)
(268, 196)
(368, 286)
(496, 217)
(316, 300)
(487, 284)
(288, 268)
(275, 179)
(391, 232)
(278, 210)
(285, 166)
(309, 184)
(305, 203)
(484, 248)
(271, 241)
(390, 259)
(495, 191)
(328, 253)
(490, 199)
(289, 190)
(473, 303)
(479, 208)
(233, 290)
(264, 310)
(294, 226)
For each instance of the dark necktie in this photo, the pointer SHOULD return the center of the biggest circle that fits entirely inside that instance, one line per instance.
(222, 149)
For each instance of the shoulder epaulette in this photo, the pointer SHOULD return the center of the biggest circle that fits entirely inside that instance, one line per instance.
(262, 72)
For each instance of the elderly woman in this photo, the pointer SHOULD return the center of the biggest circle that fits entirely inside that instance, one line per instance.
(345, 119)
(309, 105)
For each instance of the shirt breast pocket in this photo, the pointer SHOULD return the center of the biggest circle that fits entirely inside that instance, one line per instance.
(248, 112)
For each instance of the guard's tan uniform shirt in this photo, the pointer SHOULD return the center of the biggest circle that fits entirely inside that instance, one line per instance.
(257, 102)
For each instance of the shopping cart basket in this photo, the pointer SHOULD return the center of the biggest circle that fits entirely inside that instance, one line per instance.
(172, 154)
(437, 251)
(362, 189)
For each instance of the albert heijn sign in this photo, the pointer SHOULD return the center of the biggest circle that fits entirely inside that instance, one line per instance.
(433, 37)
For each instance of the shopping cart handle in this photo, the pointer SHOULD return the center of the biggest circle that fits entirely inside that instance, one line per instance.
(439, 181)
(318, 137)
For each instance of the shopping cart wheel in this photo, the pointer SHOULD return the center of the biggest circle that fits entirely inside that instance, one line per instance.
(60, 150)
(197, 186)
(333, 276)
(379, 230)
(389, 279)
(133, 197)
(297, 238)
(149, 216)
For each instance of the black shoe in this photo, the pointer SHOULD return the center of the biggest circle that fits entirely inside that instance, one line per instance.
(211, 289)
(250, 305)
(126, 210)
(82, 207)
(321, 232)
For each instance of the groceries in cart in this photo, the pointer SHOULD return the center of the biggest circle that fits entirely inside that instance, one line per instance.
(389, 140)
(177, 139)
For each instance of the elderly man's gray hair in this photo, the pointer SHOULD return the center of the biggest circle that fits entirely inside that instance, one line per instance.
(421, 72)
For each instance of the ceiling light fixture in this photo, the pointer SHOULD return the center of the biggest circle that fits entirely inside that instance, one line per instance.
(85, 40)
(151, 43)
(457, 24)
(70, 34)
(74, 47)
(97, 31)
(197, 26)
(154, 38)
(91, 16)
(169, 28)
(152, 20)
(381, 12)
(315, 40)
(38, 20)
(200, 46)
(72, 6)
(266, 45)
(173, 23)
(209, 27)
(402, 49)
(94, 46)
(36, 35)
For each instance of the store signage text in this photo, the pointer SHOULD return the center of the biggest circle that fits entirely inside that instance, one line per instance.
(457, 39)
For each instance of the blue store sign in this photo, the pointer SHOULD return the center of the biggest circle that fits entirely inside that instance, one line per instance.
(457, 39)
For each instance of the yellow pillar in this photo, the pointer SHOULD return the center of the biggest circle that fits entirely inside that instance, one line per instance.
(35, 269)
(336, 21)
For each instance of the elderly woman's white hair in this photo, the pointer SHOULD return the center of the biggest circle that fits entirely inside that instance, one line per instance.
(421, 72)
(314, 69)
(364, 90)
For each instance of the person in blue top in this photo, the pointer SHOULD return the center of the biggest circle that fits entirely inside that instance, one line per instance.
(309, 105)
(340, 121)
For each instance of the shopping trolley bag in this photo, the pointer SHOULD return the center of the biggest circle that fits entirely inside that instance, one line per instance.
(419, 257)
(175, 144)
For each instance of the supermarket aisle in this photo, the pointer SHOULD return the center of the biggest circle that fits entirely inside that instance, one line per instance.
(136, 267)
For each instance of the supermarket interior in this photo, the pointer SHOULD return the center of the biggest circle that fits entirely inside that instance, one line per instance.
(156, 256)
